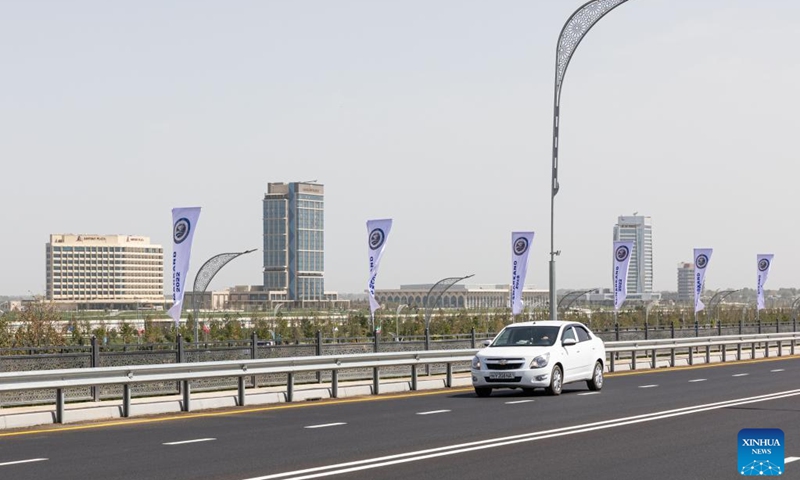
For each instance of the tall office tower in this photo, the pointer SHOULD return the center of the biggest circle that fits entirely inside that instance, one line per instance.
(293, 240)
(104, 271)
(685, 282)
(639, 230)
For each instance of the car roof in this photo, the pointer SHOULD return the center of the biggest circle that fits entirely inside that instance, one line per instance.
(544, 323)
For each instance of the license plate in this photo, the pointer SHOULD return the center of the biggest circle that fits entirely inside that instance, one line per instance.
(501, 375)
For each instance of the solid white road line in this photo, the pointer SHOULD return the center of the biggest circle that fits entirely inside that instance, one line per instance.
(778, 370)
(23, 461)
(432, 412)
(190, 441)
(518, 401)
(697, 380)
(648, 386)
(791, 459)
(740, 374)
(358, 465)
(327, 425)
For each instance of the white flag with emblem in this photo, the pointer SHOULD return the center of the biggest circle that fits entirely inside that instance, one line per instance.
(184, 222)
(622, 258)
(377, 233)
(764, 262)
(520, 247)
(701, 258)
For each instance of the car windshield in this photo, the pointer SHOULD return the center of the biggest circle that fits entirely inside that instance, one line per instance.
(536, 335)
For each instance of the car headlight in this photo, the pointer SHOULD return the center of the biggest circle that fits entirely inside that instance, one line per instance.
(540, 361)
(476, 363)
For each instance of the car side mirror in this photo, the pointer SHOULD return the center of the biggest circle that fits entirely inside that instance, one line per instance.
(486, 343)
(569, 341)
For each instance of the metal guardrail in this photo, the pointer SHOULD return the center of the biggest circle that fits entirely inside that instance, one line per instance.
(59, 380)
(634, 347)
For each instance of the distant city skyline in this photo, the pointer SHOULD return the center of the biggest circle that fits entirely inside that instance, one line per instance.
(435, 114)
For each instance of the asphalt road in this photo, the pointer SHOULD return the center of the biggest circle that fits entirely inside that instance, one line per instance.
(678, 423)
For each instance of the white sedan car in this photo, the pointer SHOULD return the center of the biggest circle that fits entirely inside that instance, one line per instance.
(545, 354)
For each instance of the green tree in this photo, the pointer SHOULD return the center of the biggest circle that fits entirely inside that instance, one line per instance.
(38, 326)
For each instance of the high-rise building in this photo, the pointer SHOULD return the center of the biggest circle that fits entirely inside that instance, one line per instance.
(104, 271)
(293, 240)
(639, 230)
(685, 282)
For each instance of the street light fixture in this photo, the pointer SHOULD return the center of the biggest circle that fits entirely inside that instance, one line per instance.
(573, 31)
(577, 293)
(722, 294)
(203, 278)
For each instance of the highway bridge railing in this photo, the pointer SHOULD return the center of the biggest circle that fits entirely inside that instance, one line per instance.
(668, 348)
(184, 374)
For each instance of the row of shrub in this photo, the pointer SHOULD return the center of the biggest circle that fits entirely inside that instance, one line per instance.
(40, 324)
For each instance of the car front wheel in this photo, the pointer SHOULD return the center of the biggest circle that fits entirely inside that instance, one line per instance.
(596, 382)
(556, 381)
(483, 391)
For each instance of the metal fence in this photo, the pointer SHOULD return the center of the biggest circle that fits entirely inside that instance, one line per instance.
(96, 355)
(187, 374)
(696, 329)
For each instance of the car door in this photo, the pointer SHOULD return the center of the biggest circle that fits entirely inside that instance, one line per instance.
(588, 351)
(571, 360)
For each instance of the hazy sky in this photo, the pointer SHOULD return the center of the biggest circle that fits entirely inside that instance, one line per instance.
(436, 113)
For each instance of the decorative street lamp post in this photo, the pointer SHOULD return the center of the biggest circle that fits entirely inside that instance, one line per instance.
(576, 27)
(203, 278)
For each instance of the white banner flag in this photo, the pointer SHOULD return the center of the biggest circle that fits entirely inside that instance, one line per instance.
(701, 258)
(520, 246)
(377, 233)
(184, 222)
(764, 262)
(622, 258)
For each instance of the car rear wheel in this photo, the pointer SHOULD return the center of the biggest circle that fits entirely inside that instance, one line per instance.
(596, 383)
(483, 391)
(556, 381)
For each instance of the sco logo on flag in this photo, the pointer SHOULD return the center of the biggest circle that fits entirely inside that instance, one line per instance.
(702, 261)
(520, 246)
(763, 265)
(622, 253)
(376, 238)
(181, 230)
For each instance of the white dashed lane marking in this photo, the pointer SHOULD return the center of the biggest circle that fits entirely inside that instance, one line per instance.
(325, 425)
(697, 380)
(791, 459)
(196, 440)
(518, 401)
(648, 386)
(740, 374)
(778, 370)
(30, 460)
(589, 393)
(432, 412)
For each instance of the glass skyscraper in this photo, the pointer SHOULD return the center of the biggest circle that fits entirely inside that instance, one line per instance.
(639, 230)
(294, 240)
